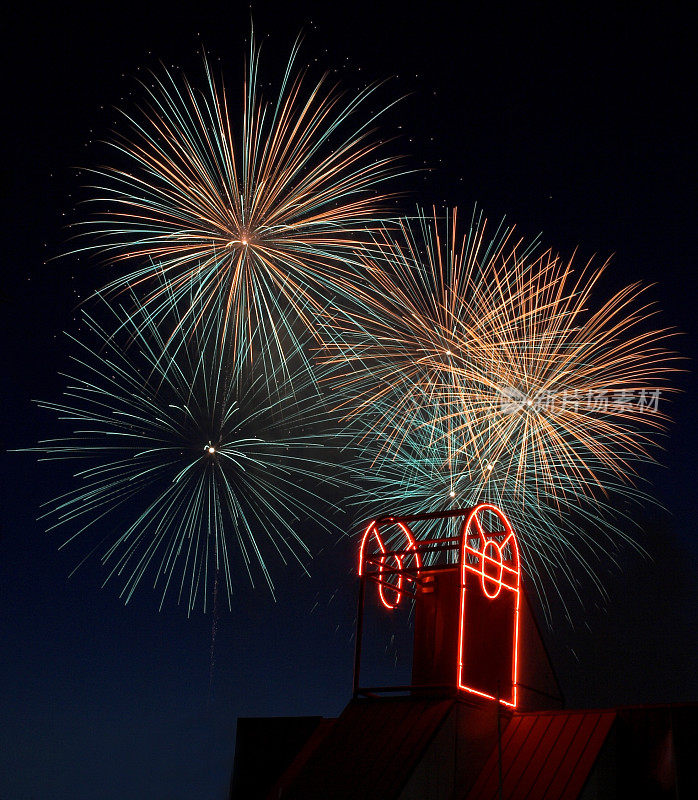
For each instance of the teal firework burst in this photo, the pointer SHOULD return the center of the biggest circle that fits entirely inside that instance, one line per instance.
(185, 468)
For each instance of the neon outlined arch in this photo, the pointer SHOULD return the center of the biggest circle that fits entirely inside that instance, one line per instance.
(475, 561)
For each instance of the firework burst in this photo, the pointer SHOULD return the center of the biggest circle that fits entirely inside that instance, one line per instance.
(265, 214)
(185, 466)
(505, 347)
(554, 393)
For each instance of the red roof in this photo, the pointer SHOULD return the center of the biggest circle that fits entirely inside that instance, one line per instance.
(545, 756)
(369, 752)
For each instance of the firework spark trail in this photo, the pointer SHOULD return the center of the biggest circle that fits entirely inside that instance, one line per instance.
(266, 215)
(214, 631)
(182, 464)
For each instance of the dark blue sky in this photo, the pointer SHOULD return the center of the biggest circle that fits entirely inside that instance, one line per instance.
(580, 125)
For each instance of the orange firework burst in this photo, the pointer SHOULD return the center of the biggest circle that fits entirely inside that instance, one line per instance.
(532, 385)
(551, 390)
(266, 214)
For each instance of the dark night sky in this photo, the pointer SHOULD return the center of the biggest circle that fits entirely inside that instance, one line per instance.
(581, 126)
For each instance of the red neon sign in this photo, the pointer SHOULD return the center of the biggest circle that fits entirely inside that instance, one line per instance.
(489, 591)
(490, 595)
(372, 529)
